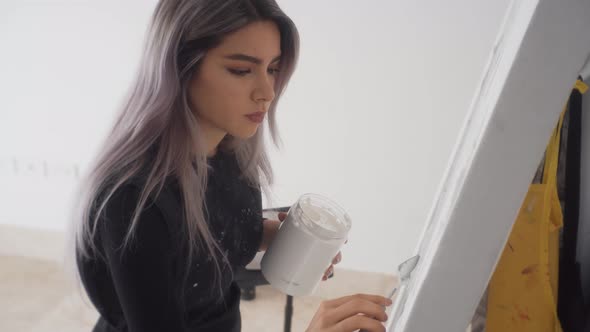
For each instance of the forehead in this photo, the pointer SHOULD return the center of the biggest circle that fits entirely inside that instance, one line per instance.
(259, 39)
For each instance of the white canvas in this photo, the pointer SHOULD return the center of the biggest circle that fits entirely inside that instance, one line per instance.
(538, 54)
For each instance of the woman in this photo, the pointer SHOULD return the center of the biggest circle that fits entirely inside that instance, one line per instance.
(173, 202)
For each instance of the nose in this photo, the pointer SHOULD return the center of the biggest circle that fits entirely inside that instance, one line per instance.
(264, 90)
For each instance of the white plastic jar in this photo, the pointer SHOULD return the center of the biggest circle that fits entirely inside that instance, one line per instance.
(308, 239)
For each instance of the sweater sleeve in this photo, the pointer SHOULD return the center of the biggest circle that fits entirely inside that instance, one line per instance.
(142, 273)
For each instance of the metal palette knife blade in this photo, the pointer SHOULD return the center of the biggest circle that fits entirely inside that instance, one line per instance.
(405, 270)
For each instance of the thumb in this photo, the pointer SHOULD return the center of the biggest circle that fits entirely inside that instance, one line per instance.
(282, 216)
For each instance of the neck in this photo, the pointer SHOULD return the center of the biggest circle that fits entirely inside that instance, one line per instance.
(212, 137)
(212, 153)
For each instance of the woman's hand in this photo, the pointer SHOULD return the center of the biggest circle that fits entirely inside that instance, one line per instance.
(335, 261)
(351, 313)
(330, 269)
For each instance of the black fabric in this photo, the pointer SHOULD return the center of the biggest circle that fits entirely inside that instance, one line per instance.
(143, 288)
(572, 311)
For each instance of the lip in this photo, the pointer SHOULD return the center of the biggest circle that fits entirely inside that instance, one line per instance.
(257, 117)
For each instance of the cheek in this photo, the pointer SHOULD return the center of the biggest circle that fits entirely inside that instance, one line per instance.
(219, 98)
(234, 90)
(230, 98)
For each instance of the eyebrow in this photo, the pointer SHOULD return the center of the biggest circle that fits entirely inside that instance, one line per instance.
(249, 58)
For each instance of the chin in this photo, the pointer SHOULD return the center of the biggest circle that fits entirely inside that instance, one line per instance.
(244, 134)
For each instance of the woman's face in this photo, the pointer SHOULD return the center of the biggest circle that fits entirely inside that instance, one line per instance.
(236, 79)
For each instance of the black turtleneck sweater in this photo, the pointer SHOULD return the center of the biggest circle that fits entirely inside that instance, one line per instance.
(142, 288)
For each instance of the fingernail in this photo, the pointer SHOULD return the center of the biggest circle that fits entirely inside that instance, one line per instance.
(389, 302)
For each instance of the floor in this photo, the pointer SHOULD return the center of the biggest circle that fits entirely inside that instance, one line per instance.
(36, 296)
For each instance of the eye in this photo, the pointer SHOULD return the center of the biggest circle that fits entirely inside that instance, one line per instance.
(274, 71)
(239, 72)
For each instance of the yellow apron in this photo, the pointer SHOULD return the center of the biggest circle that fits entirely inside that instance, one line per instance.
(522, 294)
(523, 290)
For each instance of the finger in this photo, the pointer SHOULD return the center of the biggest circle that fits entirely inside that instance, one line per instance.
(355, 307)
(377, 299)
(361, 322)
(328, 272)
(282, 216)
(338, 258)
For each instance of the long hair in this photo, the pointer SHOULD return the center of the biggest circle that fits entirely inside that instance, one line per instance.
(157, 134)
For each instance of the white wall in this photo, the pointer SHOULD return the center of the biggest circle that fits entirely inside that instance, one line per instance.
(369, 118)
(65, 66)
